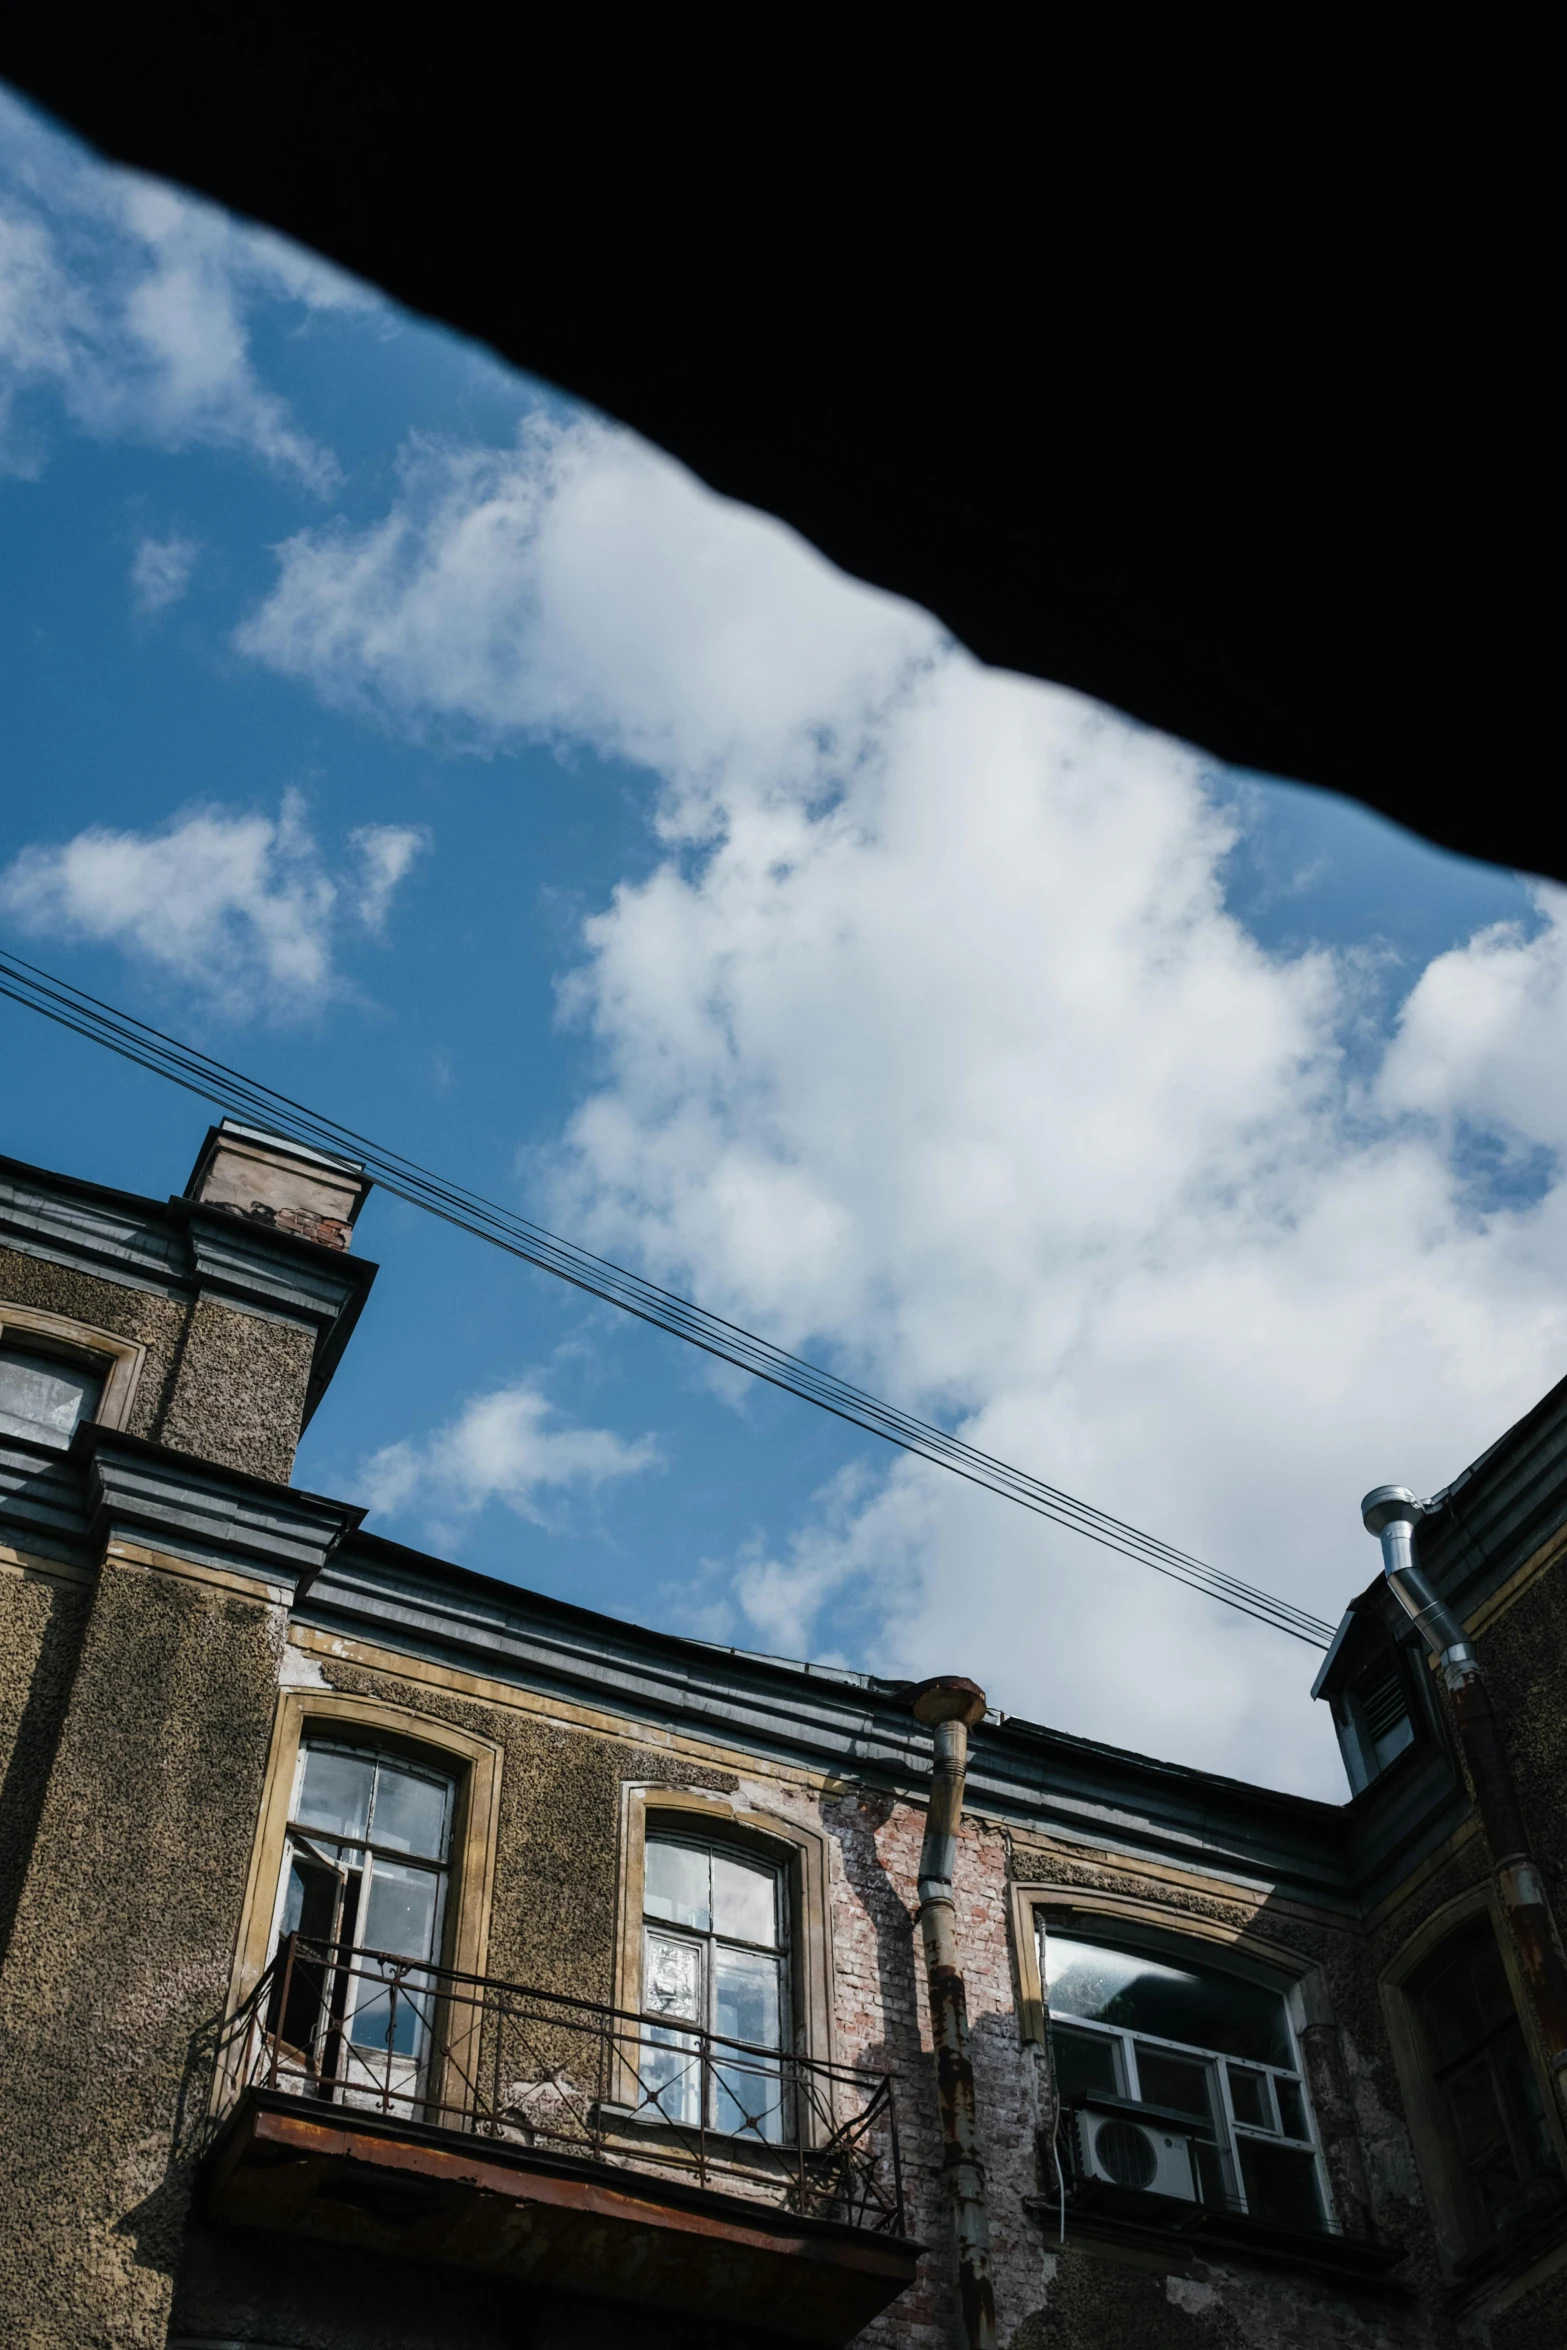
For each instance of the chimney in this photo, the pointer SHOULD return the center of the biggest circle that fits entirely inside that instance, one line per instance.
(275, 1181)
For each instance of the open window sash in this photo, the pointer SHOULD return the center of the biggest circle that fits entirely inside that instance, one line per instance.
(352, 2027)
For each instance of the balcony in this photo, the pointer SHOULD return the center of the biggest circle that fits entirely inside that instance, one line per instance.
(415, 2111)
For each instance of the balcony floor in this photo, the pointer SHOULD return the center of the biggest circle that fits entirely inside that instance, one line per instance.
(416, 2192)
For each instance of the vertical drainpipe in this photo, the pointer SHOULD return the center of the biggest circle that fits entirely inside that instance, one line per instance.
(950, 1706)
(1392, 1513)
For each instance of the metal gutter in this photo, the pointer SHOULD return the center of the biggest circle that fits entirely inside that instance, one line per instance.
(1392, 1514)
(949, 1707)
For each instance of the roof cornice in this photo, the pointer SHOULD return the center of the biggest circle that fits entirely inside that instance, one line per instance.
(181, 1247)
(1021, 1774)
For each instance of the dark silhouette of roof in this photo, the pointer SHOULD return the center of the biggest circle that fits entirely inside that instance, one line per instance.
(1208, 380)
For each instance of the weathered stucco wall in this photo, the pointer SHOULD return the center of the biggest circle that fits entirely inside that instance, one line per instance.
(126, 1931)
(224, 1385)
(553, 1926)
(121, 1953)
(553, 1923)
(41, 1618)
(238, 1392)
(150, 1319)
(1524, 1653)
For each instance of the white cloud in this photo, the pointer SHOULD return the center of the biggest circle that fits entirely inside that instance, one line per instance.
(931, 1043)
(565, 588)
(1481, 1038)
(385, 851)
(240, 905)
(508, 1447)
(161, 572)
(127, 302)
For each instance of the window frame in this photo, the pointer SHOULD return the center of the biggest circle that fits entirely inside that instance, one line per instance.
(1081, 1921)
(706, 1816)
(116, 1361)
(1443, 2171)
(472, 1762)
(709, 1943)
(326, 1738)
(1175, 1934)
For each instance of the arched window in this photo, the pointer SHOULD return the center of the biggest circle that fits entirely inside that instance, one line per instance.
(46, 1391)
(364, 1892)
(1138, 2024)
(1489, 2103)
(715, 1954)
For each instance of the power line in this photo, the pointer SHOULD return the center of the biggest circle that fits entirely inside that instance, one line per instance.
(247, 1098)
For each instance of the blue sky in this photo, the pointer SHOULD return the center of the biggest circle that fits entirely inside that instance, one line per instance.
(381, 721)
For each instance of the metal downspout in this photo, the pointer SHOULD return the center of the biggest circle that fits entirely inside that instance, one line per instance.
(1392, 1513)
(951, 1706)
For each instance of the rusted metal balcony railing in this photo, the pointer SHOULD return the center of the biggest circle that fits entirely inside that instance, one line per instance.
(375, 2033)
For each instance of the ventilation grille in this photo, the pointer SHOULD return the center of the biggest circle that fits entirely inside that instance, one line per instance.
(1383, 1704)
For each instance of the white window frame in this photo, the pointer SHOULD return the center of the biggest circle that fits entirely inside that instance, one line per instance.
(1229, 2131)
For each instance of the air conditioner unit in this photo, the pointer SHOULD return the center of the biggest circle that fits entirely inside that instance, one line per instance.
(1126, 2147)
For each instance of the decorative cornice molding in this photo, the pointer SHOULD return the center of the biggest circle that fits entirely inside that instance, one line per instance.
(820, 1720)
(145, 1493)
(113, 1487)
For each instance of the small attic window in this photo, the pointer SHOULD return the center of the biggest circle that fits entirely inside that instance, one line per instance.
(43, 1396)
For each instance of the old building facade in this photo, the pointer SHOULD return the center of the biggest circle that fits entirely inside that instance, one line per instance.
(391, 1958)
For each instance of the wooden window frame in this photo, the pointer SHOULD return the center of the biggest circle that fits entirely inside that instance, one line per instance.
(701, 1815)
(1441, 2167)
(474, 1764)
(117, 1361)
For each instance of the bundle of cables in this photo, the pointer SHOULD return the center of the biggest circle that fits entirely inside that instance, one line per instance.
(247, 1099)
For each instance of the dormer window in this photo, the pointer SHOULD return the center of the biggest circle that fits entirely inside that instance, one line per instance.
(44, 1395)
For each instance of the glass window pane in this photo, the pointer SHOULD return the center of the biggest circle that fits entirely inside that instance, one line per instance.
(669, 2062)
(400, 1914)
(309, 1910)
(747, 2005)
(745, 1900)
(393, 2019)
(1451, 2019)
(1178, 2083)
(1520, 2097)
(1393, 1742)
(1200, 2005)
(1292, 2109)
(410, 1811)
(1280, 2183)
(1212, 2185)
(1084, 2061)
(676, 1884)
(746, 1997)
(43, 1398)
(671, 1978)
(1249, 2096)
(310, 1904)
(334, 1795)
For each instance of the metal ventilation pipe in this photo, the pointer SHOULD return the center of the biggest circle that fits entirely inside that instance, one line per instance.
(1392, 1513)
(951, 1706)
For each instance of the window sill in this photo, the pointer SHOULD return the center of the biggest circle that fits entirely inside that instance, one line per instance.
(631, 2127)
(1480, 2274)
(1185, 2231)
